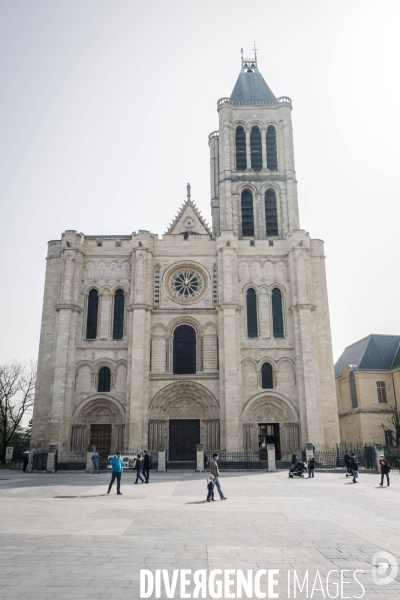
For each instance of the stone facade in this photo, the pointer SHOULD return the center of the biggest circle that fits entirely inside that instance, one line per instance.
(368, 386)
(225, 394)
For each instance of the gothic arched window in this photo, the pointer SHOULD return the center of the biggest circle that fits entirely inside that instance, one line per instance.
(118, 325)
(92, 313)
(271, 213)
(184, 350)
(252, 320)
(353, 391)
(277, 313)
(240, 140)
(267, 380)
(256, 150)
(272, 158)
(104, 382)
(247, 214)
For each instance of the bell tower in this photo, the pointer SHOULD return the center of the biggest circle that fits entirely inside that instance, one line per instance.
(253, 180)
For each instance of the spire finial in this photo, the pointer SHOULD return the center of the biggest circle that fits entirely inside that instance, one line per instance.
(188, 191)
(255, 50)
(241, 52)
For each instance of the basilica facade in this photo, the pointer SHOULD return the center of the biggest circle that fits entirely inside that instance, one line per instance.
(219, 335)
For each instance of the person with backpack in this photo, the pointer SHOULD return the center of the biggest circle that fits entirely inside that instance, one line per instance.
(384, 465)
(95, 463)
(117, 467)
(354, 467)
(138, 468)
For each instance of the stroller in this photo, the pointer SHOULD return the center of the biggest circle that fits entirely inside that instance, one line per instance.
(297, 470)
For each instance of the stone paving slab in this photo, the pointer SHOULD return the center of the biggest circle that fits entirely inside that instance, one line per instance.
(93, 545)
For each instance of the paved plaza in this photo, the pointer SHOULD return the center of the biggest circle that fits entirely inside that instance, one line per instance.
(63, 537)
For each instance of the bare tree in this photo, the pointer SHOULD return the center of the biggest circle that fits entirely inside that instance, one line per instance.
(17, 388)
(394, 420)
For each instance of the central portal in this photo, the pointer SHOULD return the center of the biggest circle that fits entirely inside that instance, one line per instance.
(183, 437)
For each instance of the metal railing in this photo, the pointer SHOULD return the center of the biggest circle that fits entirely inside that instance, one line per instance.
(243, 459)
(331, 459)
(392, 455)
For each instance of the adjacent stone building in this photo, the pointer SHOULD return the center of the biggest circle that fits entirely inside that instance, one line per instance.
(219, 336)
(368, 385)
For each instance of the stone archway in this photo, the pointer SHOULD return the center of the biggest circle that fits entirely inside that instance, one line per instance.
(99, 421)
(273, 410)
(181, 402)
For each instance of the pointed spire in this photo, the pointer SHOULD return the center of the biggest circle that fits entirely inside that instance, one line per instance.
(188, 191)
(250, 85)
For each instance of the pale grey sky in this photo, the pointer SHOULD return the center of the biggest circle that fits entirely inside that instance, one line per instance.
(105, 109)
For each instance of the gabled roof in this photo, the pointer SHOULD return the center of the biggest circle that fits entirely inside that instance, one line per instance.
(179, 224)
(374, 353)
(250, 84)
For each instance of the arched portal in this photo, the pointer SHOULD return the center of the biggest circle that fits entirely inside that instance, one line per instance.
(99, 422)
(181, 416)
(271, 419)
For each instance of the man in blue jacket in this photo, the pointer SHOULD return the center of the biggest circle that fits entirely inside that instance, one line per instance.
(117, 467)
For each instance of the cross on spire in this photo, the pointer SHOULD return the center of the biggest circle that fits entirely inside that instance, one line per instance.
(188, 191)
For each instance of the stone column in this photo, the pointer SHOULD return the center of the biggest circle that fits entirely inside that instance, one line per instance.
(309, 452)
(271, 458)
(51, 459)
(199, 458)
(162, 463)
(378, 451)
(89, 463)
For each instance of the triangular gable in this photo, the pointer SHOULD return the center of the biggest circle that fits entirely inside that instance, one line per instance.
(190, 220)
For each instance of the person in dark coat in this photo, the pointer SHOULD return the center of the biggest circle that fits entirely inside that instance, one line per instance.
(138, 468)
(384, 465)
(294, 459)
(205, 461)
(354, 467)
(146, 465)
(311, 467)
(347, 462)
(25, 461)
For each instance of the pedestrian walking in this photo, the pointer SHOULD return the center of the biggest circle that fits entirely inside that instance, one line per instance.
(146, 465)
(354, 467)
(347, 462)
(117, 467)
(215, 472)
(210, 488)
(384, 464)
(25, 461)
(95, 463)
(138, 468)
(311, 467)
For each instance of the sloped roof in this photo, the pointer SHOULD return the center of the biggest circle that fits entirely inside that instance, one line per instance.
(187, 209)
(251, 86)
(374, 352)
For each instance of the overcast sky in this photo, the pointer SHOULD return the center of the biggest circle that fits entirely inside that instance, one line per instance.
(105, 110)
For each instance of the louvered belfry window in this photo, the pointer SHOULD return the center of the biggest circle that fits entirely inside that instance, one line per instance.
(184, 350)
(118, 325)
(92, 313)
(247, 214)
(256, 150)
(277, 313)
(252, 320)
(271, 213)
(272, 158)
(353, 391)
(240, 140)
(104, 383)
(267, 380)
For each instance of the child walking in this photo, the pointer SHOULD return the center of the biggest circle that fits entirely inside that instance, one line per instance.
(210, 488)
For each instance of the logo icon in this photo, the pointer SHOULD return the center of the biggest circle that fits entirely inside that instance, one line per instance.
(384, 568)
